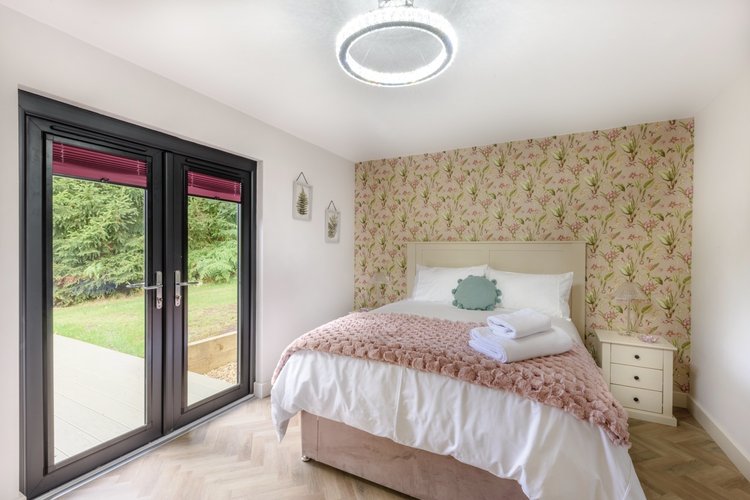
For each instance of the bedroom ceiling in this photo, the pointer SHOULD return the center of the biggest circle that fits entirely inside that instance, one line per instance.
(524, 68)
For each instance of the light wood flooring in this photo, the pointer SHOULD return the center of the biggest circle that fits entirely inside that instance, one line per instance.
(237, 456)
(683, 462)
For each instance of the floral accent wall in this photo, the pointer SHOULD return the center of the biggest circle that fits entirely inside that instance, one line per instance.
(626, 191)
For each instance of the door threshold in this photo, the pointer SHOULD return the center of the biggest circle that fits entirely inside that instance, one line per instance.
(143, 450)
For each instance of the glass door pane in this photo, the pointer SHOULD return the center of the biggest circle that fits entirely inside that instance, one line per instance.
(99, 307)
(117, 348)
(211, 292)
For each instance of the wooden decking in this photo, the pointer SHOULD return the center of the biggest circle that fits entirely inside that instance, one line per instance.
(100, 394)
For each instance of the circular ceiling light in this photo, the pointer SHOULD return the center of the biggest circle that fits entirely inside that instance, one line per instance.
(396, 46)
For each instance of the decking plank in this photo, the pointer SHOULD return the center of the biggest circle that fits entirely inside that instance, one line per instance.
(99, 394)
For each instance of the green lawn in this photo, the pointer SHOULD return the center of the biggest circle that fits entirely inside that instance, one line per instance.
(117, 323)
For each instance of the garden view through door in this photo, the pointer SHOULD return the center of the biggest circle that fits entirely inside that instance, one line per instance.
(100, 305)
(137, 287)
(211, 309)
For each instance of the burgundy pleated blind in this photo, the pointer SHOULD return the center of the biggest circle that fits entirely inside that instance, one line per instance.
(83, 163)
(216, 188)
(75, 161)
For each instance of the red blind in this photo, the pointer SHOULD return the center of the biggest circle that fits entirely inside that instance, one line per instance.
(74, 161)
(216, 188)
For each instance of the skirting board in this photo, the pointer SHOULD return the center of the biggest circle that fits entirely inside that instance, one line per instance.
(262, 389)
(740, 459)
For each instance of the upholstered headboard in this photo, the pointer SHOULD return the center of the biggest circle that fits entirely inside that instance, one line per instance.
(542, 257)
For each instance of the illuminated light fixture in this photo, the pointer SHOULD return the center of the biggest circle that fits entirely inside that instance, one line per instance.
(396, 45)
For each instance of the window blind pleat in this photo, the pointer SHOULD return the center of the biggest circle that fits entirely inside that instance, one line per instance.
(82, 163)
(216, 188)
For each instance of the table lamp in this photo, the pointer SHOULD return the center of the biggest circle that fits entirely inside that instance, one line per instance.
(629, 292)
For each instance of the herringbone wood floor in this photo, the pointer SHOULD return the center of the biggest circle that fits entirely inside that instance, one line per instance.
(683, 462)
(237, 456)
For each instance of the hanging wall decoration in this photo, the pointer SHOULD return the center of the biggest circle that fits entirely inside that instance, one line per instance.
(333, 223)
(302, 198)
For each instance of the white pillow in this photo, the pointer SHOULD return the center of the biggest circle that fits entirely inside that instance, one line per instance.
(546, 293)
(436, 284)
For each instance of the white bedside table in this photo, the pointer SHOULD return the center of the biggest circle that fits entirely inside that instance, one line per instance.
(639, 375)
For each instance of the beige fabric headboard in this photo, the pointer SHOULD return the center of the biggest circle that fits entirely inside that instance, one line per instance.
(541, 257)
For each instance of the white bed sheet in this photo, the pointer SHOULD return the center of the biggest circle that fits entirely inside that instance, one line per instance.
(552, 454)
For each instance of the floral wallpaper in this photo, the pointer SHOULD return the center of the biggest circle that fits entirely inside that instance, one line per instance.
(626, 191)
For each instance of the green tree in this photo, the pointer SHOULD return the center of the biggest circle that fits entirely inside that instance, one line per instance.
(213, 238)
(98, 242)
(98, 239)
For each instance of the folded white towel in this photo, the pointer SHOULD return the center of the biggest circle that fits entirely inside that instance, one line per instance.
(507, 350)
(521, 323)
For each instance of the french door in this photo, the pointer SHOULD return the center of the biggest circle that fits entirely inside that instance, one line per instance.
(207, 201)
(137, 287)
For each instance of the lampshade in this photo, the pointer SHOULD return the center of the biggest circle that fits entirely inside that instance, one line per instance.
(396, 45)
(628, 291)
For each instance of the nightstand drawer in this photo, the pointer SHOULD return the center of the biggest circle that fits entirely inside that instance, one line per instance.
(639, 399)
(636, 376)
(637, 356)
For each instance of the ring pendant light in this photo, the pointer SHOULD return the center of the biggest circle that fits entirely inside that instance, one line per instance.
(405, 18)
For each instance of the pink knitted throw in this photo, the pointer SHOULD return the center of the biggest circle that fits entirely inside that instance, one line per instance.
(569, 381)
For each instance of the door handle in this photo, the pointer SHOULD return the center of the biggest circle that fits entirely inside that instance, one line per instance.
(158, 287)
(178, 287)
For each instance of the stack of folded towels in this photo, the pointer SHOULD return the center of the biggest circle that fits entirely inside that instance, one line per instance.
(519, 335)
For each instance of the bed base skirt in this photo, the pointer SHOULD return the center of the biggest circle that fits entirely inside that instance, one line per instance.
(417, 473)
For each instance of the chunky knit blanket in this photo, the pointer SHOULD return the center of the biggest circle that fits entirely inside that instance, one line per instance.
(568, 381)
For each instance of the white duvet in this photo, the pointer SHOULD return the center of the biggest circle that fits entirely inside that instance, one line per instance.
(552, 454)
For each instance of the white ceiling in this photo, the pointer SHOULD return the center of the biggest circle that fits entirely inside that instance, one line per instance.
(524, 68)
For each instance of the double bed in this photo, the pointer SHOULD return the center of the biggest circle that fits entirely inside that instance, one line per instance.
(437, 437)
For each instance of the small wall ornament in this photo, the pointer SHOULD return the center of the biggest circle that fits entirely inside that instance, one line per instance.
(302, 198)
(332, 223)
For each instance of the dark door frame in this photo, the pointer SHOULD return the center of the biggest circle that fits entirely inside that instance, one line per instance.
(176, 250)
(41, 117)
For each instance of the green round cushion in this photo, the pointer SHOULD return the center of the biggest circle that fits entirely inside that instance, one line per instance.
(476, 293)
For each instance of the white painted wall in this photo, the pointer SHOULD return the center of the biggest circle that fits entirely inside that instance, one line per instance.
(303, 281)
(720, 369)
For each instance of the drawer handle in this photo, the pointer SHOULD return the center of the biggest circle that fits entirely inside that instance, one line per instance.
(637, 377)
(635, 399)
(637, 356)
